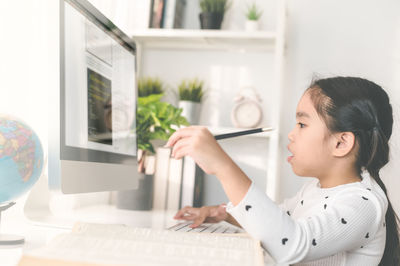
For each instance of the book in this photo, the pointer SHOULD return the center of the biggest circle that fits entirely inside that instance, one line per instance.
(156, 13)
(188, 182)
(198, 187)
(174, 184)
(149, 163)
(179, 15)
(173, 15)
(192, 184)
(161, 178)
(106, 244)
(169, 14)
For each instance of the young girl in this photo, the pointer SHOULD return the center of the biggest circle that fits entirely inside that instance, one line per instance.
(342, 217)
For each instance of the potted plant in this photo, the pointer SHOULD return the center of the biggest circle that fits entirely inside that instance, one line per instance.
(212, 13)
(253, 14)
(148, 86)
(190, 96)
(155, 120)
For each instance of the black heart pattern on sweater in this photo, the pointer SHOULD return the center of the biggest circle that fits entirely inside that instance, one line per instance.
(344, 221)
(313, 242)
(284, 240)
(248, 207)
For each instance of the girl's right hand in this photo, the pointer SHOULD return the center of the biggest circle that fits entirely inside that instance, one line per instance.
(205, 214)
(198, 143)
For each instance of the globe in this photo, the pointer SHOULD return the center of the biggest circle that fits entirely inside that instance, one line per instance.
(21, 158)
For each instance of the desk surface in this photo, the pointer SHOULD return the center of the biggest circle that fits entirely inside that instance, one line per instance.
(44, 227)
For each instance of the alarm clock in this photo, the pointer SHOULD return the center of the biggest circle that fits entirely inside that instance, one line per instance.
(247, 110)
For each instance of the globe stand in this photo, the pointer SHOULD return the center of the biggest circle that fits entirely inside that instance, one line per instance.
(9, 240)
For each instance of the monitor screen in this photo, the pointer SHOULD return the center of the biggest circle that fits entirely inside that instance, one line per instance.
(100, 100)
(97, 102)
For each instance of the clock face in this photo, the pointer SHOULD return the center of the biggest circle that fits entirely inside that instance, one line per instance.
(247, 114)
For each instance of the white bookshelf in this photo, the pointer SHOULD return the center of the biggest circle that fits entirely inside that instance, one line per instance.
(206, 39)
(162, 42)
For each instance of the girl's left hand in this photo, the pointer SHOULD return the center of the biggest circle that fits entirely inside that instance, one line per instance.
(198, 143)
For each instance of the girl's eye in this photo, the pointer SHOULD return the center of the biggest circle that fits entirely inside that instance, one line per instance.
(301, 125)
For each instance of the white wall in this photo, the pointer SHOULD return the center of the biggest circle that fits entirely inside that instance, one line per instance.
(360, 38)
(28, 54)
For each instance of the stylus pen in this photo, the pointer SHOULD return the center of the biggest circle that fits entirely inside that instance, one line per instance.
(241, 133)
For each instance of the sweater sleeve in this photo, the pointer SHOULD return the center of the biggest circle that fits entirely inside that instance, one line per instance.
(349, 222)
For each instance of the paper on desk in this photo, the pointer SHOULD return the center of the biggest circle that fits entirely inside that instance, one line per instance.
(98, 244)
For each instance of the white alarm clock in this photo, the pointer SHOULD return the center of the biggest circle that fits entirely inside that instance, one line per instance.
(247, 110)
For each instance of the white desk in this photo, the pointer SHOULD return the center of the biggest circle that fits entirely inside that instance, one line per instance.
(39, 231)
(38, 234)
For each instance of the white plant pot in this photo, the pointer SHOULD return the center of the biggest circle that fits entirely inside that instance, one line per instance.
(191, 111)
(251, 25)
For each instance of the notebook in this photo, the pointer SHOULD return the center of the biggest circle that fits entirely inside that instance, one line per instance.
(99, 244)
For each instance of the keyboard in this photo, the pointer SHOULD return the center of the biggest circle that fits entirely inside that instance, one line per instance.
(222, 228)
(99, 244)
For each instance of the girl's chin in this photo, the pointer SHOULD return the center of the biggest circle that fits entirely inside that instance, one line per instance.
(299, 171)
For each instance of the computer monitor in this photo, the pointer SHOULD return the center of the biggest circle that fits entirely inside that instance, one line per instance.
(92, 139)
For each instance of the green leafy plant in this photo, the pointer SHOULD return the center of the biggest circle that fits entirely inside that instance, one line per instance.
(214, 6)
(148, 86)
(253, 13)
(156, 120)
(191, 90)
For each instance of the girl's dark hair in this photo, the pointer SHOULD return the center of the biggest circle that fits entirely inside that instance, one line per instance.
(349, 104)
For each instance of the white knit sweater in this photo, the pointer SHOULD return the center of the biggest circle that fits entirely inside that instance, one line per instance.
(343, 225)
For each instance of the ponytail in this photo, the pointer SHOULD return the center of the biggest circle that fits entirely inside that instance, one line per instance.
(349, 104)
(378, 157)
(391, 255)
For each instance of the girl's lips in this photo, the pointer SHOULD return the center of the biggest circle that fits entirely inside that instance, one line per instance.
(291, 156)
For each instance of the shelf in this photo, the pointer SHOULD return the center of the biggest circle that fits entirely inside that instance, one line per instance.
(206, 39)
(224, 130)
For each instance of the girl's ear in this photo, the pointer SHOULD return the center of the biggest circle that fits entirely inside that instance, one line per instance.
(344, 143)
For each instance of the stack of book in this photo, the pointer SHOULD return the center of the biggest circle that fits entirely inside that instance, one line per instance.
(177, 183)
(167, 14)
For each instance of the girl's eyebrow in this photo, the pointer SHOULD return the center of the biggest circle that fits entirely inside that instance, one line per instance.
(302, 114)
